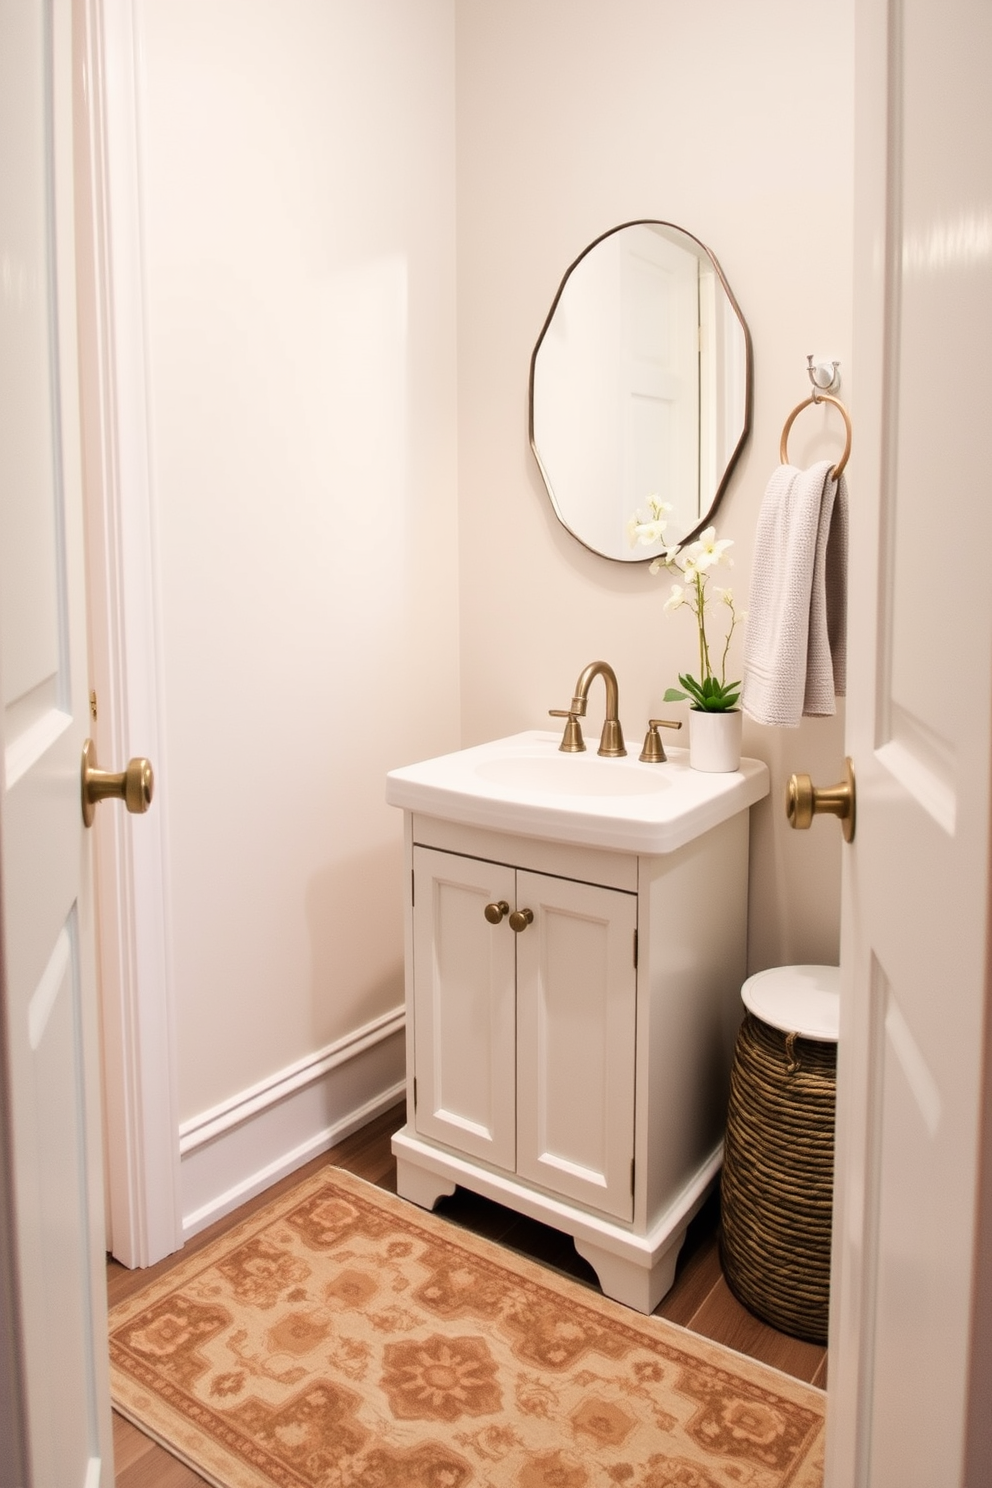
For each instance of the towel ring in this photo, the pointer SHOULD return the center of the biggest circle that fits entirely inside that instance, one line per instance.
(783, 452)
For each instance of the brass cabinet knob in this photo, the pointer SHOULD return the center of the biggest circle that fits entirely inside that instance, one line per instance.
(804, 800)
(134, 786)
(520, 919)
(495, 912)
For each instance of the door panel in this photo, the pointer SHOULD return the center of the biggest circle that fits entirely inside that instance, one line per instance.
(464, 999)
(911, 1083)
(576, 1015)
(65, 1425)
(52, 1066)
(32, 633)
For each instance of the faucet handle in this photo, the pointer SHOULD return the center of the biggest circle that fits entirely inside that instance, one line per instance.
(572, 741)
(653, 752)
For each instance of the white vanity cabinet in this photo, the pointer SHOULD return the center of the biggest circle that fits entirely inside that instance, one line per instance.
(575, 1070)
(524, 1040)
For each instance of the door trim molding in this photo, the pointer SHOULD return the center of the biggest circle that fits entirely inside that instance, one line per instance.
(140, 1074)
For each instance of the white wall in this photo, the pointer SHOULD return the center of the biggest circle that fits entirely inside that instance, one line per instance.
(298, 183)
(732, 121)
(358, 565)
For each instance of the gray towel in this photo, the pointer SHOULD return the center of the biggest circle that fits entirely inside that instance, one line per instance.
(795, 651)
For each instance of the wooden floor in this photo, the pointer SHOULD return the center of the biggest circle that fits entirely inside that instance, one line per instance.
(700, 1299)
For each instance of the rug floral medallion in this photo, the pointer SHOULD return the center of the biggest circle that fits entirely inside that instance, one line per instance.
(341, 1337)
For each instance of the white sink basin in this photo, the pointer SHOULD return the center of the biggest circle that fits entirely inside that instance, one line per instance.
(572, 775)
(524, 784)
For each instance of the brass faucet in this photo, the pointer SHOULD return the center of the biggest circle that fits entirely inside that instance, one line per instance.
(611, 744)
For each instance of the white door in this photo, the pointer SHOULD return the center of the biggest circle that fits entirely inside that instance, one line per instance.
(463, 987)
(915, 937)
(576, 1027)
(52, 1060)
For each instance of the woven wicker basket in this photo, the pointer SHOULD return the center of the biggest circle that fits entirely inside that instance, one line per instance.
(777, 1184)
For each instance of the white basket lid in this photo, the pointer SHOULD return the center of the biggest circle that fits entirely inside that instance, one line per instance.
(797, 999)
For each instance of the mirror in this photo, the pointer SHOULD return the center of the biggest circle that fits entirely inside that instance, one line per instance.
(640, 386)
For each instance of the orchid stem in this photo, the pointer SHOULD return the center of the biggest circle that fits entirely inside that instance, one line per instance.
(704, 650)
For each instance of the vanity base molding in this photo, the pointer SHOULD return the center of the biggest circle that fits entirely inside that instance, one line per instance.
(634, 1269)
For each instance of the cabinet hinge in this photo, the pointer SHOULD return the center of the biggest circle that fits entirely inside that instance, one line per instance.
(413, 887)
(635, 950)
(414, 1092)
(632, 1162)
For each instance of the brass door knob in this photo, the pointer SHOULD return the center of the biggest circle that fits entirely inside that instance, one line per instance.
(134, 786)
(804, 800)
(520, 919)
(495, 912)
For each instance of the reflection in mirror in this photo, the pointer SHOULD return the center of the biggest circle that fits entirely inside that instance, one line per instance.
(640, 386)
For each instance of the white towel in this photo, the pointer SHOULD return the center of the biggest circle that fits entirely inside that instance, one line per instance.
(795, 650)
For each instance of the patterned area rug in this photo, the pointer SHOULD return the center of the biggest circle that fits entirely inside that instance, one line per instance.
(344, 1337)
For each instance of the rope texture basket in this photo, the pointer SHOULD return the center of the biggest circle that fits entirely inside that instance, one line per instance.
(776, 1188)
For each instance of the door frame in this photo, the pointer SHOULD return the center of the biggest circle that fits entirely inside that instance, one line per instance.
(141, 1121)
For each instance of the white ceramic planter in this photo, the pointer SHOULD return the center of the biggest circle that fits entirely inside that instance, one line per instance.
(715, 740)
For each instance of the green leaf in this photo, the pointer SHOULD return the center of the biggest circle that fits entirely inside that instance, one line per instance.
(693, 689)
(672, 695)
(708, 696)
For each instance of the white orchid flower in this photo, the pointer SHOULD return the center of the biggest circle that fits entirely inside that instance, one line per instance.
(645, 534)
(639, 533)
(695, 562)
(659, 508)
(707, 550)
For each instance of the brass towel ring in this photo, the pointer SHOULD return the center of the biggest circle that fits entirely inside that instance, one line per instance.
(783, 452)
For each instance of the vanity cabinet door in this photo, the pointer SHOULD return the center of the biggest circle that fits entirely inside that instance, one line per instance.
(576, 1027)
(464, 1014)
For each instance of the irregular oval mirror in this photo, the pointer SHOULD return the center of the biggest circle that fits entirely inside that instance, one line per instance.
(640, 387)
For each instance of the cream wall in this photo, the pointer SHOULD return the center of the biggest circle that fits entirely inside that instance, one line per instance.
(735, 122)
(357, 564)
(298, 187)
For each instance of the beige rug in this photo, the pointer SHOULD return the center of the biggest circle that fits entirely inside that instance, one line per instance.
(344, 1337)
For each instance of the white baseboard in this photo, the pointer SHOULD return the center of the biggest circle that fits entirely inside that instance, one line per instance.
(237, 1149)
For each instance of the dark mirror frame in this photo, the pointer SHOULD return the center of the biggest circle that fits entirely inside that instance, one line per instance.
(707, 517)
